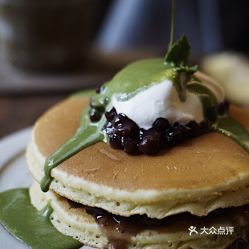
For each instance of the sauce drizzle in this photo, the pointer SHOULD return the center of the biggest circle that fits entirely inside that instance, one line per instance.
(132, 79)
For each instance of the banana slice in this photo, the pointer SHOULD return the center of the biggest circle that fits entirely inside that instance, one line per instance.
(232, 71)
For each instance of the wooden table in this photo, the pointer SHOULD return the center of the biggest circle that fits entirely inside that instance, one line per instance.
(17, 112)
(25, 96)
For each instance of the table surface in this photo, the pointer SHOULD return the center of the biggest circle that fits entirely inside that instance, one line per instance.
(17, 112)
(24, 96)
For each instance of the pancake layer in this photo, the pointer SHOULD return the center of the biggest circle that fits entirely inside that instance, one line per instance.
(198, 176)
(174, 234)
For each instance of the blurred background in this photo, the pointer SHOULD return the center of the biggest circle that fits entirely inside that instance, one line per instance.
(51, 48)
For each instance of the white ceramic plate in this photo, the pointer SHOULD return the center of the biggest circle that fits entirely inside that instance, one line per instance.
(14, 174)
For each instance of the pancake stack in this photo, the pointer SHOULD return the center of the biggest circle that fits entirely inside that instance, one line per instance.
(195, 195)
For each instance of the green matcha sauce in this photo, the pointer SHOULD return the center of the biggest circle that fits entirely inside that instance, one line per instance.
(27, 224)
(231, 128)
(128, 82)
(83, 138)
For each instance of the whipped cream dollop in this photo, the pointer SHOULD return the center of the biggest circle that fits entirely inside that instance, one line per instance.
(161, 100)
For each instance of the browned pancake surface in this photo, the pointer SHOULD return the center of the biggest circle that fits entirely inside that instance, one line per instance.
(202, 162)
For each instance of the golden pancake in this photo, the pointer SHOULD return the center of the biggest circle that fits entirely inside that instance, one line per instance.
(198, 176)
(73, 220)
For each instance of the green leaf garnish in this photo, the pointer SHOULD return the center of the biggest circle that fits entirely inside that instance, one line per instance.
(186, 69)
(176, 59)
(179, 52)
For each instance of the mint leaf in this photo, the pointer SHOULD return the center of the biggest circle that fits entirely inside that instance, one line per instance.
(187, 69)
(179, 52)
